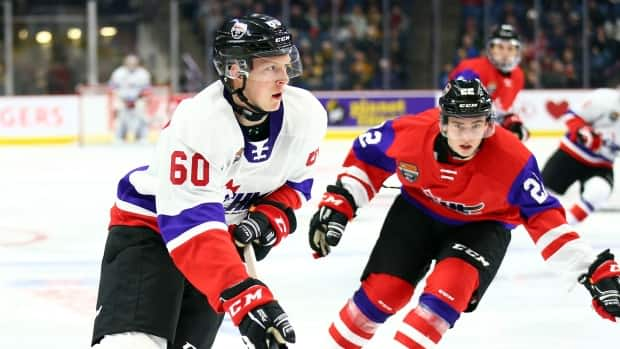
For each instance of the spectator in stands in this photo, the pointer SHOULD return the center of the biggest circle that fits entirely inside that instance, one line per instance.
(555, 75)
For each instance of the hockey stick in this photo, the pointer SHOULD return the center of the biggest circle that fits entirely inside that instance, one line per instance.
(250, 263)
(250, 260)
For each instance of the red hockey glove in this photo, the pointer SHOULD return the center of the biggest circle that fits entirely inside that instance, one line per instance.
(262, 322)
(580, 132)
(267, 223)
(603, 282)
(589, 138)
(574, 123)
(327, 225)
(512, 122)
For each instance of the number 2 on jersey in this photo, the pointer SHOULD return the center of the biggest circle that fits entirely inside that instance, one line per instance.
(370, 137)
(536, 190)
(198, 167)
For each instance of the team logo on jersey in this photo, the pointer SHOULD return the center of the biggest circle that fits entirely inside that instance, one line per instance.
(409, 171)
(261, 151)
(238, 30)
(236, 201)
(459, 207)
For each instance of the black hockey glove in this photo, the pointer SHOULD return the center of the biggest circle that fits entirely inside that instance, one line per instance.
(603, 282)
(267, 223)
(512, 122)
(262, 322)
(336, 209)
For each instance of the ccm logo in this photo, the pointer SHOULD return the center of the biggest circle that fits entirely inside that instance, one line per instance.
(281, 224)
(331, 199)
(245, 301)
(475, 255)
(283, 38)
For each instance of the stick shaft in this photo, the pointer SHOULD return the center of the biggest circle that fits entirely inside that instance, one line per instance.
(250, 264)
(250, 260)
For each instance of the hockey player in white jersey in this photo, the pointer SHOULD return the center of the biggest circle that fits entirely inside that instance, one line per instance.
(586, 153)
(230, 169)
(130, 83)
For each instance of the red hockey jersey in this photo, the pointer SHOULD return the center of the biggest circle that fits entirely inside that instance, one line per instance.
(503, 88)
(502, 183)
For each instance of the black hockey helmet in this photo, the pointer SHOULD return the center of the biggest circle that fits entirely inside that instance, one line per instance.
(465, 99)
(238, 40)
(504, 33)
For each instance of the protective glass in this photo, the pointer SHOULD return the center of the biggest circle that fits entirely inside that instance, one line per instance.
(264, 68)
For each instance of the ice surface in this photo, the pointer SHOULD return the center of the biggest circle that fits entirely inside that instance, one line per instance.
(54, 204)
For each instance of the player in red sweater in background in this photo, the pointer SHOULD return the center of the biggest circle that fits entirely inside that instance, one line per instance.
(456, 207)
(500, 73)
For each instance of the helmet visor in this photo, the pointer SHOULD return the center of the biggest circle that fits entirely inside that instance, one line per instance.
(461, 124)
(504, 54)
(268, 66)
(265, 66)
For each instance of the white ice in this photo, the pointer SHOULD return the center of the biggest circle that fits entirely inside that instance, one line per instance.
(54, 208)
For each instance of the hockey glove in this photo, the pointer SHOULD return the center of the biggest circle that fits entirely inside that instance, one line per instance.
(589, 138)
(336, 209)
(603, 282)
(512, 122)
(266, 224)
(262, 322)
(581, 132)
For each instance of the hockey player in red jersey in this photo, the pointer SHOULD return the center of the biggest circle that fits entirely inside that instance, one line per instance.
(229, 170)
(465, 184)
(500, 73)
(586, 153)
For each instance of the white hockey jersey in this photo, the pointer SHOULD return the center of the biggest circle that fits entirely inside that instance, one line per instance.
(129, 84)
(600, 110)
(205, 176)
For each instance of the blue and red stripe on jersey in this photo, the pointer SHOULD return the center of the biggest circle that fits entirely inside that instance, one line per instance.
(179, 228)
(303, 188)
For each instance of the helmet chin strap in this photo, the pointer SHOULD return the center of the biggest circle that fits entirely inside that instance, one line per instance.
(250, 111)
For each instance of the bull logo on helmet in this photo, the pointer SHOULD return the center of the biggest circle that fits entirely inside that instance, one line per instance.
(238, 30)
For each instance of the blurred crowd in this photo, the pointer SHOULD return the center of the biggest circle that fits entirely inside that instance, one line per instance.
(552, 55)
(345, 44)
(341, 44)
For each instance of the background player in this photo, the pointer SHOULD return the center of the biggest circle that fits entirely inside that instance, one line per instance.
(500, 73)
(586, 153)
(238, 156)
(456, 207)
(130, 83)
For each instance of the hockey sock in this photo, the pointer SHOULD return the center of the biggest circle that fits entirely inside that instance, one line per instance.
(448, 291)
(577, 213)
(380, 296)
